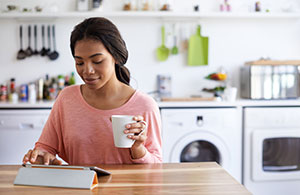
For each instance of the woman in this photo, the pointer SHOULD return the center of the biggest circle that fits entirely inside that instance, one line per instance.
(79, 128)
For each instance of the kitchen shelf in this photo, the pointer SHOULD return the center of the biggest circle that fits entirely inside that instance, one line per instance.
(169, 15)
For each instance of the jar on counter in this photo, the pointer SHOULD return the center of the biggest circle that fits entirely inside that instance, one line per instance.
(3, 92)
(32, 93)
(24, 92)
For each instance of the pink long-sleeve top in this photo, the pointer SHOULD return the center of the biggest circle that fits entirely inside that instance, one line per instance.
(82, 135)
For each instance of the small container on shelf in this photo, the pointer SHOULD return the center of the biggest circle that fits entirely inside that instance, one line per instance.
(97, 5)
(82, 5)
(130, 5)
(166, 5)
(3, 92)
(257, 6)
(24, 92)
(145, 5)
(32, 93)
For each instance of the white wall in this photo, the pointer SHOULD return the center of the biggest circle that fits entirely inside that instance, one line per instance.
(232, 42)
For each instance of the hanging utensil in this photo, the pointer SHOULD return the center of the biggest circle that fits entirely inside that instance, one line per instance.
(35, 40)
(54, 55)
(21, 53)
(49, 41)
(43, 51)
(198, 49)
(174, 49)
(29, 51)
(162, 53)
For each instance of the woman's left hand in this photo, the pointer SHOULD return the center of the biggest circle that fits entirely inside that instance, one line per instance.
(138, 129)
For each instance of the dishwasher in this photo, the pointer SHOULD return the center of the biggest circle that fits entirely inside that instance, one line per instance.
(19, 130)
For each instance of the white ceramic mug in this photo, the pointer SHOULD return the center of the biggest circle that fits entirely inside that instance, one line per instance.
(118, 124)
(230, 94)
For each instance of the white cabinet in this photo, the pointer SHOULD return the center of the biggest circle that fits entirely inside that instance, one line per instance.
(19, 130)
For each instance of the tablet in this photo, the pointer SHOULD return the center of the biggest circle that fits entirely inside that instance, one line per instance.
(98, 170)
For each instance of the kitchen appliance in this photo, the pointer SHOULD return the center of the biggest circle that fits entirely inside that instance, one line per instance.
(271, 150)
(164, 85)
(270, 81)
(203, 134)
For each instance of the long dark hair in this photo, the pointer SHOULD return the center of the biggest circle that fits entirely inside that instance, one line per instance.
(101, 29)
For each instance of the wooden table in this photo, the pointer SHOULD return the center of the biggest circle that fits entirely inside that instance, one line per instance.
(175, 178)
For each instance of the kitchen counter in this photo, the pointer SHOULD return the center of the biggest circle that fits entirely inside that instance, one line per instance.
(177, 178)
(237, 103)
(37, 104)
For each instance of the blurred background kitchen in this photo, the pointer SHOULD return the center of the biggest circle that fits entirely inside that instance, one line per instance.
(225, 74)
(233, 40)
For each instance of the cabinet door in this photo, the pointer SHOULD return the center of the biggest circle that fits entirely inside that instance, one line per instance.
(19, 130)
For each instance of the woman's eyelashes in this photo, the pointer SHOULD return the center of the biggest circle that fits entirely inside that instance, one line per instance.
(81, 63)
(98, 62)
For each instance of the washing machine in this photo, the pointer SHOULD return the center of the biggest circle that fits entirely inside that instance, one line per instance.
(202, 135)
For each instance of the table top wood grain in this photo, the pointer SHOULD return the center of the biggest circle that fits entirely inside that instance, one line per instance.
(172, 178)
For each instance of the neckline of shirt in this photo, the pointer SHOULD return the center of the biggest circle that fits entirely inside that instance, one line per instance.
(131, 99)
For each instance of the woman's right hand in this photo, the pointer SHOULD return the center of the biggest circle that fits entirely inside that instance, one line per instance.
(38, 156)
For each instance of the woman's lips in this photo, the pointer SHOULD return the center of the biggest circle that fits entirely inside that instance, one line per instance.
(91, 81)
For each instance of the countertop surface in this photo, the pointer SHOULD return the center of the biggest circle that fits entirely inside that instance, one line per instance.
(173, 178)
(171, 104)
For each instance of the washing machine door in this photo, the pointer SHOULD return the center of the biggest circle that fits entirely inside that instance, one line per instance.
(200, 147)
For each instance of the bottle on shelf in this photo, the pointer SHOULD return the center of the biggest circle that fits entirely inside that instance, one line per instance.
(72, 79)
(3, 92)
(53, 89)
(67, 81)
(12, 85)
(13, 95)
(31, 93)
(61, 82)
(40, 88)
(46, 88)
(24, 92)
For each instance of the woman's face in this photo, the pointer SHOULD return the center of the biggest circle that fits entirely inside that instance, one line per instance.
(94, 63)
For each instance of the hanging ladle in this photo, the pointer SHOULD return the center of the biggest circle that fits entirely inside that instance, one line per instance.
(21, 53)
(29, 51)
(35, 40)
(54, 55)
(48, 51)
(43, 51)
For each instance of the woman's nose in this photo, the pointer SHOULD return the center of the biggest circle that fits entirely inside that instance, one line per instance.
(89, 69)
